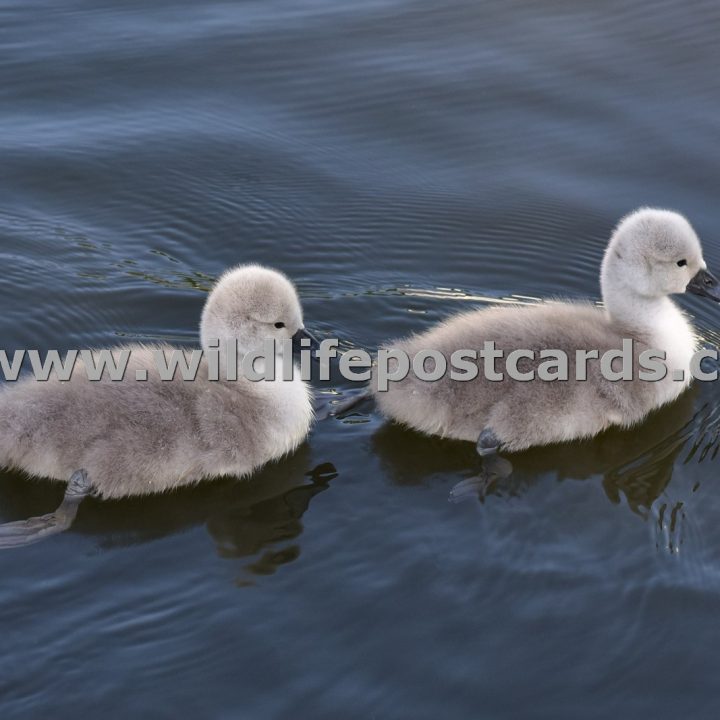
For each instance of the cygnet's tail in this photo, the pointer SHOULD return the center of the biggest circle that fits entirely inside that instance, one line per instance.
(9, 434)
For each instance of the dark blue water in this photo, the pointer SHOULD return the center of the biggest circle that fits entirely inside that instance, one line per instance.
(400, 160)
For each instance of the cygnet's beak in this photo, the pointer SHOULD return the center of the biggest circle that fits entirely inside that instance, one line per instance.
(298, 346)
(706, 284)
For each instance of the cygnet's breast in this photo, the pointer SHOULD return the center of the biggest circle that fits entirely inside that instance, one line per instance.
(675, 336)
(293, 403)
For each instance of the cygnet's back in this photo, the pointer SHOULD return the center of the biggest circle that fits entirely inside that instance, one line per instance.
(522, 413)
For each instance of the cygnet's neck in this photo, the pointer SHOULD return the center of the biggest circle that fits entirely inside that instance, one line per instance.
(638, 312)
(229, 354)
(261, 364)
(659, 320)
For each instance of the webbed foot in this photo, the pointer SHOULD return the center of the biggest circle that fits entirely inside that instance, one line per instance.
(494, 469)
(487, 443)
(472, 488)
(326, 408)
(32, 530)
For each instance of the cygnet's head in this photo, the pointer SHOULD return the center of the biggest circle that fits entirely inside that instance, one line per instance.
(249, 304)
(654, 253)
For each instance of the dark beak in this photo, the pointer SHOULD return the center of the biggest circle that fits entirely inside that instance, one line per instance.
(302, 334)
(705, 284)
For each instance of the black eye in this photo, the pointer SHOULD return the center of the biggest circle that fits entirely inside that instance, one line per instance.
(279, 325)
(681, 263)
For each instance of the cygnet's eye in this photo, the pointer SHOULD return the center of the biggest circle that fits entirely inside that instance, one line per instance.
(681, 263)
(279, 325)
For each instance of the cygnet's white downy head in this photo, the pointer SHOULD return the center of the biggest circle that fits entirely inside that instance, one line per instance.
(248, 305)
(652, 254)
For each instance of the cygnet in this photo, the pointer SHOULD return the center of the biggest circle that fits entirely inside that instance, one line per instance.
(652, 255)
(133, 437)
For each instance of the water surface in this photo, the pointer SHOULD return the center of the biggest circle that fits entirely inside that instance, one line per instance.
(401, 160)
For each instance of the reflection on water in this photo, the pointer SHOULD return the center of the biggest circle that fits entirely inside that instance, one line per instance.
(249, 530)
(255, 519)
(635, 466)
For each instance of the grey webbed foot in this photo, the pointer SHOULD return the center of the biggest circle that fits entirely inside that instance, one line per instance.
(472, 488)
(32, 530)
(325, 408)
(487, 443)
(494, 469)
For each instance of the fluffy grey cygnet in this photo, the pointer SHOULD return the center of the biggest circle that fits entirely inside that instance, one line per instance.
(129, 437)
(651, 255)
